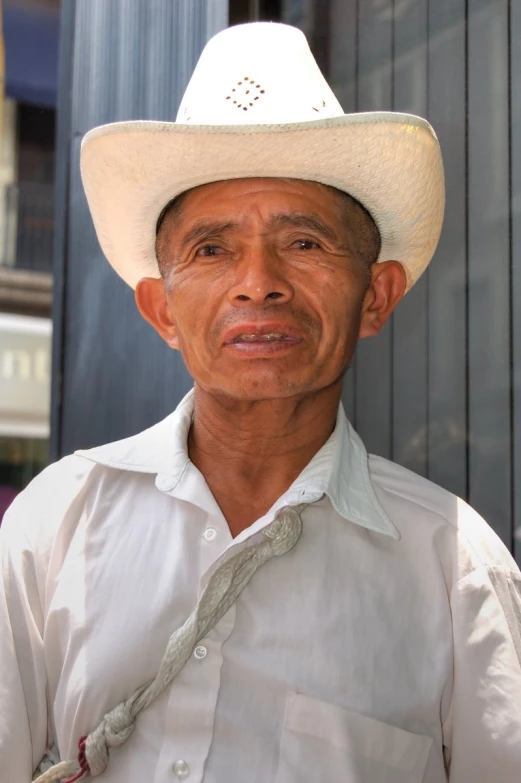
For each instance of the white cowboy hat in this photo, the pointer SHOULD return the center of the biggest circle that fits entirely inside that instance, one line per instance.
(257, 105)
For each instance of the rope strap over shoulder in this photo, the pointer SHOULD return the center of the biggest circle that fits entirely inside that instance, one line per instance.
(219, 595)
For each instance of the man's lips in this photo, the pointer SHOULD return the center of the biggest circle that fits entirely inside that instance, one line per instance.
(261, 333)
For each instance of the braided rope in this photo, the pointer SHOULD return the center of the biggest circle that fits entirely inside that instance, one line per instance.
(216, 599)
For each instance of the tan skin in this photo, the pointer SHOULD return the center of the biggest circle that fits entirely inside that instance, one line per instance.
(255, 260)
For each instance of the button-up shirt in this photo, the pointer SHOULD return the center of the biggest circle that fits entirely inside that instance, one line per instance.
(385, 647)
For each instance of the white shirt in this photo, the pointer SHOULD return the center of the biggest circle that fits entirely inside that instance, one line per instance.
(384, 648)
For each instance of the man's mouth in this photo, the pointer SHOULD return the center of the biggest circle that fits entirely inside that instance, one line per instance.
(260, 338)
(255, 338)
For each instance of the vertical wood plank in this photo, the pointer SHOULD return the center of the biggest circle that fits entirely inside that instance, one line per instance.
(343, 51)
(409, 332)
(489, 266)
(515, 147)
(342, 73)
(447, 296)
(320, 34)
(374, 356)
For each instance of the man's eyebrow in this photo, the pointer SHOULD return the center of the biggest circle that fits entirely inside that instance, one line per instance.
(205, 229)
(306, 221)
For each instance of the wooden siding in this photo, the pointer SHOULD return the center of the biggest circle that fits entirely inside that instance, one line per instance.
(439, 390)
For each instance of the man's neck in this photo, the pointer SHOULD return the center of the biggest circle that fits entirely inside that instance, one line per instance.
(251, 452)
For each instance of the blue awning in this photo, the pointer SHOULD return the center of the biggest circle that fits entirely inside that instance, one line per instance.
(31, 40)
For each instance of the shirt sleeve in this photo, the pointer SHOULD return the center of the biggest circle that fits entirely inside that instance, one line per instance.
(485, 742)
(23, 703)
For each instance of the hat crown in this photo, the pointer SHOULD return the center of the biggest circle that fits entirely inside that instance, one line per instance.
(261, 73)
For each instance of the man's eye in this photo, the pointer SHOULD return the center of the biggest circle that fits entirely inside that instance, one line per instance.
(209, 251)
(306, 244)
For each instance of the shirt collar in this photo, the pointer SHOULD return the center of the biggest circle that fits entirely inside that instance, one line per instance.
(339, 470)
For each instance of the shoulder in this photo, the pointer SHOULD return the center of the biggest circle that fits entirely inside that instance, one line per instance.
(412, 491)
(40, 508)
(421, 509)
(55, 483)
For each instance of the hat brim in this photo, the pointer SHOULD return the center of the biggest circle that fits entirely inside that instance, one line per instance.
(389, 162)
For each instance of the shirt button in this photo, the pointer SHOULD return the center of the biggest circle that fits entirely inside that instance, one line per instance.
(181, 769)
(200, 652)
(210, 533)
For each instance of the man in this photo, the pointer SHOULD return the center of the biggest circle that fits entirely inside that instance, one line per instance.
(239, 593)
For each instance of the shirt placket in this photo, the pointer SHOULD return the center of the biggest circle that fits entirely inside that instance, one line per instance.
(192, 697)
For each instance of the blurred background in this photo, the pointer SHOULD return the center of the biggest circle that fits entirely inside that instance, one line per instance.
(439, 391)
(27, 163)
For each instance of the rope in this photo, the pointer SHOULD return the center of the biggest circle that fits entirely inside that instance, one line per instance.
(219, 595)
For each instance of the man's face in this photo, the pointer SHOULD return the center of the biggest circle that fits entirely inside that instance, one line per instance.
(264, 290)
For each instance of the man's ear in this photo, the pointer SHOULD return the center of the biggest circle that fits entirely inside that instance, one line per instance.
(387, 287)
(153, 306)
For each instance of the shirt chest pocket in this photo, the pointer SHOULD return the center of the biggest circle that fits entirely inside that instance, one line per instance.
(322, 742)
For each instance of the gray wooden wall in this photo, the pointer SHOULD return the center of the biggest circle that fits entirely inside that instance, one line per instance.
(440, 389)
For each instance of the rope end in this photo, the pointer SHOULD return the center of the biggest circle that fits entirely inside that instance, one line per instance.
(82, 761)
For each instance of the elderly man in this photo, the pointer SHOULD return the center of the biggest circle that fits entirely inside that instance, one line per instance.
(239, 593)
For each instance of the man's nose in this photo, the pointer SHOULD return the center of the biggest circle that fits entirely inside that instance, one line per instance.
(260, 279)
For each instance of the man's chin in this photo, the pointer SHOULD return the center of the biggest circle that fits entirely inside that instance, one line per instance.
(257, 389)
